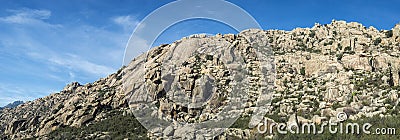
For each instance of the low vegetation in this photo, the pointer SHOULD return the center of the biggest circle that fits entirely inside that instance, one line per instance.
(117, 126)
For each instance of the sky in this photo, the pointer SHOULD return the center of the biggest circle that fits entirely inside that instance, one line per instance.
(46, 44)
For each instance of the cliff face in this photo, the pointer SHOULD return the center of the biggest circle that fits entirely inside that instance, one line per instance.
(320, 71)
(75, 106)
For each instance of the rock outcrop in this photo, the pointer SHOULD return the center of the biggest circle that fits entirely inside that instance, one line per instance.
(320, 71)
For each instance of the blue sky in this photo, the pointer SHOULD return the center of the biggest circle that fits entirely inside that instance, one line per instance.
(45, 44)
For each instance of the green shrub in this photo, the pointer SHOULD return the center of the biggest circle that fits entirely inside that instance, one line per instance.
(328, 43)
(303, 71)
(339, 47)
(312, 34)
(336, 105)
(209, 57)
(117, 125)
(347, 49)
(377, 41)
(242, 122)
(276, 99)
(317, 51)
(389, 33)
(339, 56)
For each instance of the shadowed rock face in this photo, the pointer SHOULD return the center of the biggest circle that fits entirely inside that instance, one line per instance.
(320, 71)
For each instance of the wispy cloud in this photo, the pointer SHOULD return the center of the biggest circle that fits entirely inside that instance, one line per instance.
(74, 62)
(33, 51)
(27, 16)
(128, 22)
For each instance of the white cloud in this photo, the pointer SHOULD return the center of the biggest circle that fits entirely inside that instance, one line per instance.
(140, 45)
(71, 76)
(82, 38)
(26, 16)
(57, 55)
(127, 22)
(55, 77)
(74, 62)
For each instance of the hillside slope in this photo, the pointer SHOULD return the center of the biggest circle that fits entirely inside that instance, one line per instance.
(320, 71)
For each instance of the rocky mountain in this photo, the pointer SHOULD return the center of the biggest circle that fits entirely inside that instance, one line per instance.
(319, 72)
(13, 104)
